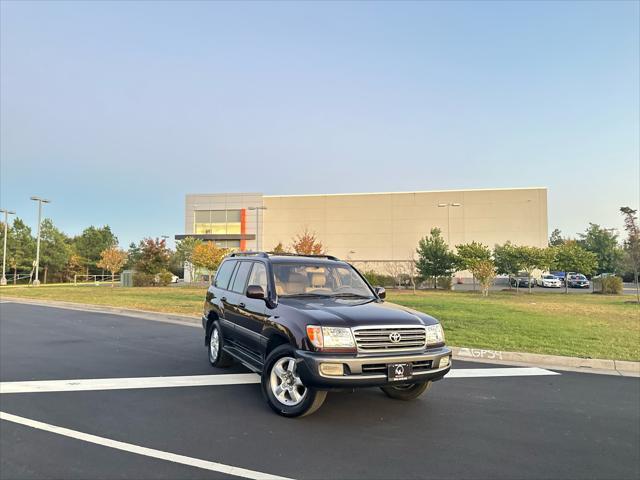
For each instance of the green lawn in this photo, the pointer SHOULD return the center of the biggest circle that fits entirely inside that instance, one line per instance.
(592, 326)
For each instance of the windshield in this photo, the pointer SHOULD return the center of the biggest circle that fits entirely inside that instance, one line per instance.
(549, 277)
(299, 279)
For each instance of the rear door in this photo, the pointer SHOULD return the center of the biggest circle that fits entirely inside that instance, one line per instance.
(252, 312)
(236, 301)
(220, 295)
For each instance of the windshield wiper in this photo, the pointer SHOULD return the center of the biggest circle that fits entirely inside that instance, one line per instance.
(350, 295)
(292, 295)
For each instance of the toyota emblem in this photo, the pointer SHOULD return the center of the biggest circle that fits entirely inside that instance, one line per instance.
(395, 337)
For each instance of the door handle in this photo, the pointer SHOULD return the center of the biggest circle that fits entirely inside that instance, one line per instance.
(242, 305)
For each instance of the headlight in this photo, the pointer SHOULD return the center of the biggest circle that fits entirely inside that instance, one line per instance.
(330, 337)
(435, 334)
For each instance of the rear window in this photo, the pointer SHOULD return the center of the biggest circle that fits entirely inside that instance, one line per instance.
(224, 274)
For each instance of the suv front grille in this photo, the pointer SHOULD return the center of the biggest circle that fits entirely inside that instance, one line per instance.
(389, 339)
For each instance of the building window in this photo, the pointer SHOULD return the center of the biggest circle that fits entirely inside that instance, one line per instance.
(217, 222)
(233, 244)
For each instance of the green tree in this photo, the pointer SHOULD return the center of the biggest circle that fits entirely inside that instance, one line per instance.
(555, 240)
(279, 248)
(133, 255)
(632, 244)
(54, 251)
(604, 244)
(92, 242)
(571, 257)
(21, 248)
(434, 257)
(507, 260)
(154, 256)
(532, 258)
(470, 255)
(185, 248)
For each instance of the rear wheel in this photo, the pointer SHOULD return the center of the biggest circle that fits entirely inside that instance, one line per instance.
(283, 388)
(217, 356)
(406, 391)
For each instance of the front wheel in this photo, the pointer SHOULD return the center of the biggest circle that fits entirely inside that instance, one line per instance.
(407, 391)
(283, 388)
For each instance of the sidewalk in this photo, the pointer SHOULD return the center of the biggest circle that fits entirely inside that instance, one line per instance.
(554, 362)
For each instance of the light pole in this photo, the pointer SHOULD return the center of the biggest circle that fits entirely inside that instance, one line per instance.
(257, 209)
(3, 280)
(40, 201)
(448, 205)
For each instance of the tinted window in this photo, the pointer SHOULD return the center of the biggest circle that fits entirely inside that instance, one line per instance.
(224, 274)
(259, 276)
(240, 280)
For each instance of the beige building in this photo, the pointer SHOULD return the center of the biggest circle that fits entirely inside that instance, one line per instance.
(370, 226)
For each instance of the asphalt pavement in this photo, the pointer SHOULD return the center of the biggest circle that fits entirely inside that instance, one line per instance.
(543, 425)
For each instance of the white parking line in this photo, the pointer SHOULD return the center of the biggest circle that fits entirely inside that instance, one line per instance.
(137, 449)
(210, 380)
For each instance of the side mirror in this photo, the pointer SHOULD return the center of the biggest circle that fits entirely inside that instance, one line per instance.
(255, 291)
(380, 291)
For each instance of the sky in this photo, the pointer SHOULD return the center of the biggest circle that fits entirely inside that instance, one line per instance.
(116, 110)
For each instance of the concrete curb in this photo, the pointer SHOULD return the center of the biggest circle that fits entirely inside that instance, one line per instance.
(555, 362)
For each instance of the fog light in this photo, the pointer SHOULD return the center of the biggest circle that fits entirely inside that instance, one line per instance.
(444, 361)
(334, 369)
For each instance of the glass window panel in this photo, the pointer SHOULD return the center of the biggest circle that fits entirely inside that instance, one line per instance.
(218, 228)
(202, 228)
(218, 216)
(233, 216)
(202, 216)
(259, 276)
(234, 228)
(240, 279)
(224, 274)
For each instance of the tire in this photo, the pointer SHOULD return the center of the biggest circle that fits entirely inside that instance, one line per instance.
(295, 399)
(407, 392)
(217, 356)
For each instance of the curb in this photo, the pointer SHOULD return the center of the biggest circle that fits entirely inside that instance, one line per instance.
(556, 362)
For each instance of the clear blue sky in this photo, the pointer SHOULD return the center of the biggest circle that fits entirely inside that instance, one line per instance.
(116, 110)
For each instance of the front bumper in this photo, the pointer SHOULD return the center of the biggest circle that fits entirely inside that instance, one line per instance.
(370, 370)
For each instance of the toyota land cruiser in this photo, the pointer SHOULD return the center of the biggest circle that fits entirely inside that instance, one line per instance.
(310, 324)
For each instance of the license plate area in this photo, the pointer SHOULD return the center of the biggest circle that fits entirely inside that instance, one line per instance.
(398, 372)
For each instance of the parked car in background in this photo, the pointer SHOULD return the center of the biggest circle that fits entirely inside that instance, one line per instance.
(577, 281)
(520, 281)
(549, 281)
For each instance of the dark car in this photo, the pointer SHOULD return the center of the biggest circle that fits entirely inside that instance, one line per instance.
(577, 281)
(310, 324)
(520, 281)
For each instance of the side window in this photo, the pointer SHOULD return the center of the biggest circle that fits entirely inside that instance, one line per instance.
(258, 276)
(240, 280)
(224, 274)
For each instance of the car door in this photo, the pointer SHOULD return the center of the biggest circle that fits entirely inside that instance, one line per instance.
(236, 302)
(253, 312)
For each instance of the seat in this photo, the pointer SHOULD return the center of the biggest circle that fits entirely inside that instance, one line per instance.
(296, 284)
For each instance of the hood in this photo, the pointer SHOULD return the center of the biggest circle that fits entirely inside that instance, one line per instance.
(352, 313)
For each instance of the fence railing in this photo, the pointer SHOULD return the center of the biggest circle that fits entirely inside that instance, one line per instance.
(97, 279)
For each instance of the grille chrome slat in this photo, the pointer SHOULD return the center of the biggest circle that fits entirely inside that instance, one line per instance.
(379, 339)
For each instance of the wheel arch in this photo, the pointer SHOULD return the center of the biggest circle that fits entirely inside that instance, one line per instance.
(211, 318)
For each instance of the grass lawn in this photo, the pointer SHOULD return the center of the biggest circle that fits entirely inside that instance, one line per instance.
(590, 326)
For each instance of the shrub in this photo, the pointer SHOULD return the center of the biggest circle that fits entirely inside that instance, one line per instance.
(142, 279)
(609, 285)
(163, 278)
(377, 279)
(444, 283)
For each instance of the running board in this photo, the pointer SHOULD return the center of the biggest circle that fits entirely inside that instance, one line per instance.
(244, 358)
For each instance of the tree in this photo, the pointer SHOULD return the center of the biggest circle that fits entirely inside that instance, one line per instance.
(470, 255)
(555, 240)
(604, 244)
(532, 258)
(485, 272)
(185, 248)
(133, 255)
(54, 251)
(92, 242)
(112, 259)
(571, 257)
(278, 249)
(632, 244)
(507, 260)
(307, 243)
(154, 256)
(21, 248)
(208, 255)
(434, 257)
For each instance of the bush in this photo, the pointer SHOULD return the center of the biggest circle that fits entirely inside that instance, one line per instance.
(164, 278)
(378, 280)
(141, 279)
(444, 283)
(609, 285)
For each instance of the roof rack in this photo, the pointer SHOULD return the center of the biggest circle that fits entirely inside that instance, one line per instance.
(287, 254)
(268, 254)
(249, 254)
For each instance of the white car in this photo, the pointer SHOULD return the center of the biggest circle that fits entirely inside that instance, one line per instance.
(550, 281)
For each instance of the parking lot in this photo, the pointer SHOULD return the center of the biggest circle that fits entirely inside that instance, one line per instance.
(92, 395)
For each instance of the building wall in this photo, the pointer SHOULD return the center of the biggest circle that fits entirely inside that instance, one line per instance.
(388, 226)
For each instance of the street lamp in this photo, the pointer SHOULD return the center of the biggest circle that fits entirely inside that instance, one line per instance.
(257, 209)
(448, 205)
(40, 201)
(3, 280)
